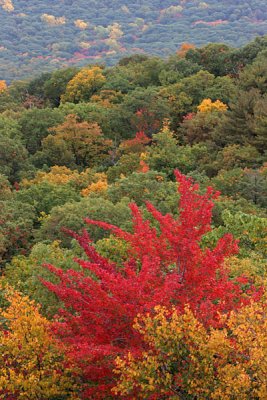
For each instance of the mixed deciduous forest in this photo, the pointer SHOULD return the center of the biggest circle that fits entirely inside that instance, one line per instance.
(133, 228)
(45, 35)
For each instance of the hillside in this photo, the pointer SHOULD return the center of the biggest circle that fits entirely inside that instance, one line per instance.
(46, 34)
(133, 227)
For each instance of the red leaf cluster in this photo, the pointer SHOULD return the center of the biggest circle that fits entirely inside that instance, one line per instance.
(166, 266)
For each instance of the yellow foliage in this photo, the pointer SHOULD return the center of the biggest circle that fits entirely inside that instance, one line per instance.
(32, 364)
(107, 98)
(208, 106)
(254, 267)
(85, 45)
(84, 84)
(185, 357)
(79, 23)
(52, 20)
(96, 187)
(58, 175)
(3, 86)
(115, 31)
(7, 5)
(61, 175)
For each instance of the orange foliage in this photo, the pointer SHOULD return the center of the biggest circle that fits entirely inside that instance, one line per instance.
(3, 86)
(96, 187)
(184, 49)
(207, 106)
(84, 140)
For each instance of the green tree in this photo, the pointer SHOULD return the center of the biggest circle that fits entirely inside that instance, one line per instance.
(23, 273)
(13, 157)
(246, 120)
(35, 124)
(44, 196)
(71, 216)
(57, 84)
(16, 228)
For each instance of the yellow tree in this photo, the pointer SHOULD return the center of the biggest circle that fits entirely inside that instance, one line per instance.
(3, 86)
(99, 186)
(58, 175)
(79, 23)
(7, 5)
(184, 358)
(32, 364)
(52, 20)
(83, 85)
(83, 140)
(208, 106)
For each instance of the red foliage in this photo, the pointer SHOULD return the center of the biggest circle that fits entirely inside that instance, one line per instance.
(144, 168)
(211, 23)
(146, 121)
(135, 145)
(166, 266)
(189, 116)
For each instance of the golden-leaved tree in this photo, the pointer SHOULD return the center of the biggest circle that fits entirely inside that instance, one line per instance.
(83, 141)
(184, 358)
(3, 86)
(83, 85)
(207, 105)
(32, 364)
(7, 5)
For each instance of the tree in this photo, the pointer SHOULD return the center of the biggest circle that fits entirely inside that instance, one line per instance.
(135, 145)
(184, 49)
(214, 58)
(208, 106)
(201, 127)
(34, 126)
(44, 196)
(254, 76)
(235, 155)
(146, 109)
(3, 86)
(126, 165)
(83, 85)
(186, 360)
(16, 228)
(83, 141)
(32, 364)
(9, 127)
(165, 154)
(56, 86)
(23, 272)
(246, 121)
(149, 186)
(71, 216)
(166, 266)
(5, 188)
(13, 155)
(248, 183)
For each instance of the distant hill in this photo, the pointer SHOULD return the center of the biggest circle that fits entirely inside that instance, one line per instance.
(41, 35)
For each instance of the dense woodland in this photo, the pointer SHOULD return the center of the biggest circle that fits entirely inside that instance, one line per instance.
(133, 228)
(45, 35)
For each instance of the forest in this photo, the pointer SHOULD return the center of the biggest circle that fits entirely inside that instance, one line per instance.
(133, 228)
(45, 35)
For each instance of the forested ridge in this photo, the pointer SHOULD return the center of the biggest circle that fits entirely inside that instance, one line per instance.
(44, 35)
(133, 228)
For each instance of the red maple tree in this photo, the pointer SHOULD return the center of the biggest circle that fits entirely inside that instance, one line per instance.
(166, 266)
